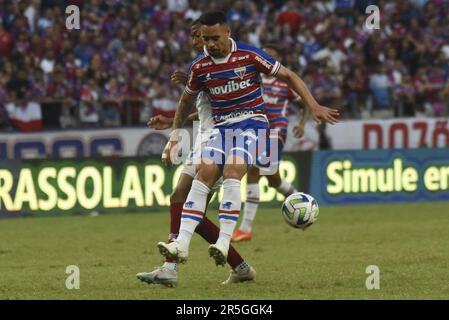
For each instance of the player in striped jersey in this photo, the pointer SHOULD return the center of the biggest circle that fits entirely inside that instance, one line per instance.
(229, 72)
(167, 274)
(277, 95)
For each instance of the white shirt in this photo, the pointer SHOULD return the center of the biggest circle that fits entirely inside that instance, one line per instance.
(177, 5)
(204, 109)
(335, 57)
(47, 65)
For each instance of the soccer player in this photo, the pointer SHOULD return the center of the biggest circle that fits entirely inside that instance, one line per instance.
(229, 71)
(167, 273)
(277, 95)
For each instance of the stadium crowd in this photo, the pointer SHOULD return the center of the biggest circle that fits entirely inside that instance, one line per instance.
(115, 70)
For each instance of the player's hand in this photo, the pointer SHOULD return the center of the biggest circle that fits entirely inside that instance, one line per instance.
(325, 114)
(179, 77)
(160, 122)
(170, 153)
(298, 130)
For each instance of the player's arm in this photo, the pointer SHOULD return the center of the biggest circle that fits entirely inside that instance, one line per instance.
(185, 103)
(297, 84)
(193, 117)
(179, 77)
(187, 98)
(161, 122)
(182, 113)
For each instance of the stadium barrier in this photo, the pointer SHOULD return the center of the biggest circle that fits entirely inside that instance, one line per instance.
(130, 142)
(83, 143)
(143, 184)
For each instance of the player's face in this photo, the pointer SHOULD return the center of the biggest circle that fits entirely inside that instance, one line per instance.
(216, 40)
(272, 53)
(195, 36)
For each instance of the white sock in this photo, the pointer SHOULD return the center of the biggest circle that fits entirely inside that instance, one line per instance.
(286, 188)
(172, 236)
(192, 212)
(251, 205)
(170, 266)
(229, 211)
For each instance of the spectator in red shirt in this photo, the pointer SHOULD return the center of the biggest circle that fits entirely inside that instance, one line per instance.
(290, 16)
(6, 42)
(161, 19)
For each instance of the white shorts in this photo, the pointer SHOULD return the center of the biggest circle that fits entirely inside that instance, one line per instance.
(190, 166)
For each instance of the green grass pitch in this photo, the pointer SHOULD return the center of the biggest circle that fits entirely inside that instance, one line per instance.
(408, 242)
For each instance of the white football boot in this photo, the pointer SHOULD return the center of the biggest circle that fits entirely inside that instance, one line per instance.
(160, 275)
(218, 253)
(173, 250)
(242, 276)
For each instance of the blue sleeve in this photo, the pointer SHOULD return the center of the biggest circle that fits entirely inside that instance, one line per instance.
(262, 60)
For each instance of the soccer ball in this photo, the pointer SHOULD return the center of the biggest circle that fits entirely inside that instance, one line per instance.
(300, 210)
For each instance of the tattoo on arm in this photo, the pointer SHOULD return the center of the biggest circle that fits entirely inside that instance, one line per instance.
(183, 110)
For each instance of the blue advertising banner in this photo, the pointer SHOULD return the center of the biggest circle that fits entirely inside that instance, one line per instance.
(373, 176)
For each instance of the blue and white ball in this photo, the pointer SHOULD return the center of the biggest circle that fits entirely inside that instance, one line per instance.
(300, 210)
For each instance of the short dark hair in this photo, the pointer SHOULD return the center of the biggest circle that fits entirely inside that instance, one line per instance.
(273, 47)
(210, 18)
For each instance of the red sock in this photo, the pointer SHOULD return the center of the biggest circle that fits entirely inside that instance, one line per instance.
(175, 222)
(175, 217)
(210, 232)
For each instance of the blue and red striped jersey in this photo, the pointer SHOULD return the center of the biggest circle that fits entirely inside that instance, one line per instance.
(277, 95)
(233, 83)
